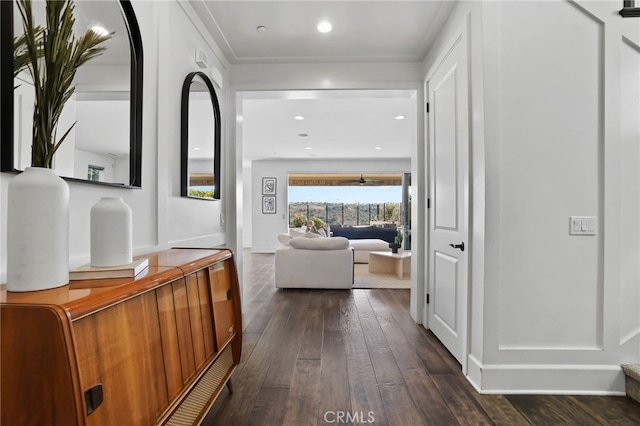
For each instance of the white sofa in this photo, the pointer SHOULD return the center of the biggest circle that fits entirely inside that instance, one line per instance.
(323, 263)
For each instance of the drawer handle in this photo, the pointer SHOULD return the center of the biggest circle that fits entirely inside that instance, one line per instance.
(93, 398)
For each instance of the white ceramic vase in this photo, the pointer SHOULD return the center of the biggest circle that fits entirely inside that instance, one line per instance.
(37, 231)
(111, 233)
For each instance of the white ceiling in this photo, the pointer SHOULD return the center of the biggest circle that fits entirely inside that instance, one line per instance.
(339, 124)
(372, 31)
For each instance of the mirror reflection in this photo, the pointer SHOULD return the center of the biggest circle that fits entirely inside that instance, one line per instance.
(105, 138)
(200, 138)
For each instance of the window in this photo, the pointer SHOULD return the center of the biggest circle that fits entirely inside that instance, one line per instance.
(94, 173)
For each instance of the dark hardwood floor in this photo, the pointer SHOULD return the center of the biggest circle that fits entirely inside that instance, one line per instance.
(356, 357)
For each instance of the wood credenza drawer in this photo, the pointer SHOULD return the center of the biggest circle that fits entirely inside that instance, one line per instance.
(105, 352)
(222, 297)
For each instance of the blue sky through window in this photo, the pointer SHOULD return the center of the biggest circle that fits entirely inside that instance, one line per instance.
(345, 194)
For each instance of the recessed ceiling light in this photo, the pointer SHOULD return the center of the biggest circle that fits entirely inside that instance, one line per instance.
(324, 27)
(299, 117)
(262, 29)
(196, 149)
(308, 147)
(378, 147)
(303, 135)
(101, 31)
(399, 117)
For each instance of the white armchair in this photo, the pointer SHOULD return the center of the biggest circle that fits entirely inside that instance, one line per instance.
(314, 263)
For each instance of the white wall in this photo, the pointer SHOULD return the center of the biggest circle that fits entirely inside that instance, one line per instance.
(161, 218)
(183, 221)
(200, 165)
(247, 217)
(102, 123)
(82, 160)
(558, 313)
(326, 75)
(629, 243)
(267, 226)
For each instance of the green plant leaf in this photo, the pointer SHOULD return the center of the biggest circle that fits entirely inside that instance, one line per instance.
(21, 54)
(53, 55)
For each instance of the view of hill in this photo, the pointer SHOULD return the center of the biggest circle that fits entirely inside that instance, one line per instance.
(345, 213)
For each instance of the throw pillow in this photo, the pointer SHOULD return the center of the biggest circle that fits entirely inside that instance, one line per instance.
(310, 234)
(319, 231)
(336, 243)
(295, 233)
(284, 239)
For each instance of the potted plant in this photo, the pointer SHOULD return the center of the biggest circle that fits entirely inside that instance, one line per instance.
(38, 199)
(318, 223)
(319, 227)
(397, 242)
(298, 220)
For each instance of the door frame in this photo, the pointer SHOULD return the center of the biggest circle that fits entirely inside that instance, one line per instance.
(455, 38)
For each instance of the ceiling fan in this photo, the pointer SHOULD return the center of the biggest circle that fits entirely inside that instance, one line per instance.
(362, 181)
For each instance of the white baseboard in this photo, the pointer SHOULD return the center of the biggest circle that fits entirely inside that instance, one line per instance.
(255, 249)
(546, 379)
(474, 372)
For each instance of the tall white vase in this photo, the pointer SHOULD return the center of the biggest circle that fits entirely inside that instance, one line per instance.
(37, 231)
(111, 233)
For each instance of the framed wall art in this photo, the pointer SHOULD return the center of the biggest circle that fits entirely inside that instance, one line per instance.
(268, 204)
(269, 186)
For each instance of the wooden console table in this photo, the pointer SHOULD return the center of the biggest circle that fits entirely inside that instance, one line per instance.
(154, 349)
(385, 262)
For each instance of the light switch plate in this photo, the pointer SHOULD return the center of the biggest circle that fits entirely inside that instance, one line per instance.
(583, 225)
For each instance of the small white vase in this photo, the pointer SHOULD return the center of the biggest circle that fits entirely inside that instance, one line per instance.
(37, 231)
(111, 233)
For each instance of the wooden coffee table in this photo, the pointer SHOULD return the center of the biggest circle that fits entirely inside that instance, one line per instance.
(385, 262)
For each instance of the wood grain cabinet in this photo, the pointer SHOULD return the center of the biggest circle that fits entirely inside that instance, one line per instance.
(156, 349)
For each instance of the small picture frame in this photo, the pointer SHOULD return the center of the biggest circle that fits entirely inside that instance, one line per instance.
(269, 204)
(269, 186)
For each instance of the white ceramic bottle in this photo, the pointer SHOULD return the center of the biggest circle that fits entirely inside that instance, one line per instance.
(111, 233)
(37, 231)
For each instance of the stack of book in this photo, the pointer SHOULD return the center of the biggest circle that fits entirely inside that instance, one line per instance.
(129, 270)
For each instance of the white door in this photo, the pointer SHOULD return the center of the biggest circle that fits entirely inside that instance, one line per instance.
(448, 131)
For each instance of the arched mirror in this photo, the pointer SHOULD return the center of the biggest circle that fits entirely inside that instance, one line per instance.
(200, 138)
(105, 145)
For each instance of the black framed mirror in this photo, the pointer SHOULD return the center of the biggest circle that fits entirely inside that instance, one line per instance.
(200, 135)
(106, 147)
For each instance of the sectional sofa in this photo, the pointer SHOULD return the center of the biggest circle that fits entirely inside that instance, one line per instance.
(365, 232)
(313, 262)
(365, 239)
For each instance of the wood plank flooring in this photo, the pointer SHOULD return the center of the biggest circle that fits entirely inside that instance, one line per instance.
(314, 357)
